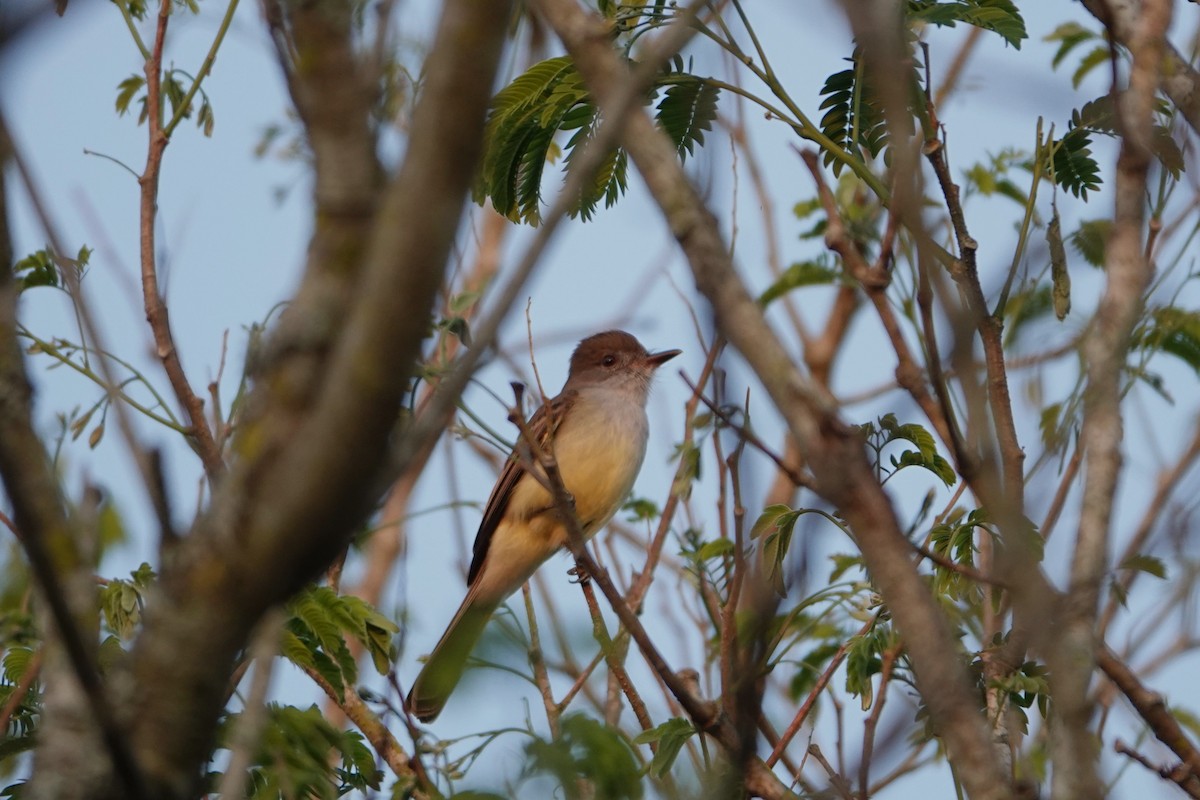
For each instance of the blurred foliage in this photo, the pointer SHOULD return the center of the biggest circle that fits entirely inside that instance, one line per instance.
(302, 755)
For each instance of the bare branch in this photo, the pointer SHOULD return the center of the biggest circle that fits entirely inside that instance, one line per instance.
(1151, 708)
(155, 304)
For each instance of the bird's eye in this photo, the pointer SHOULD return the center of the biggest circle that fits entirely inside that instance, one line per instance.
(609, 360)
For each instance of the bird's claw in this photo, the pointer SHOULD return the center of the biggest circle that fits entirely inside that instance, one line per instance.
(579, 574)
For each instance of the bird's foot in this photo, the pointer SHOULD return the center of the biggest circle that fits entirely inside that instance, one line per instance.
(579, 574)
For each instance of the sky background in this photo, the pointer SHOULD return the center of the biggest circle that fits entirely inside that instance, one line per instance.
(234, 227)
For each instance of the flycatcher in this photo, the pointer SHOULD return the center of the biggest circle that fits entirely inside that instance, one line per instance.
(597, 429)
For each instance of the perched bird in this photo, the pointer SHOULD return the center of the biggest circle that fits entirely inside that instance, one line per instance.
(597, 429)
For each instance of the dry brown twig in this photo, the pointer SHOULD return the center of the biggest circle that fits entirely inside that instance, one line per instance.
(1151, 707)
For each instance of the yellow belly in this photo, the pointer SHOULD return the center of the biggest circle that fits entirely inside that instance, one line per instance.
(599, 449)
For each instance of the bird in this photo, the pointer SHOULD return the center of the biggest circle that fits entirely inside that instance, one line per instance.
(596, 428)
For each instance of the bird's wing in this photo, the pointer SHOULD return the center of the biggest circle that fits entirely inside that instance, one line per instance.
(542, 425)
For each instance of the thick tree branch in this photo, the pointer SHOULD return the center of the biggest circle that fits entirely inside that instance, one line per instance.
(1128, 275)
(842, 473)
(331, 382)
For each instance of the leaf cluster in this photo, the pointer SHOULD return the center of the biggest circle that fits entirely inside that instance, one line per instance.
(302, 755)
(315, 637)
(587, 753)
(887, 429)
(1074, 167)
(46, 268)
(1171, 330)
(123, 601)
(19, 735)
(550, 98)
(853, 117)
(998, 16)
(174, 92)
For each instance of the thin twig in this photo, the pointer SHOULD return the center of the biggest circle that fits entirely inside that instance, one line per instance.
(1151, 707)
(798, 479)
(806, 707)
(247, 731)
(537, 659)
(21, 688)
(155, 304)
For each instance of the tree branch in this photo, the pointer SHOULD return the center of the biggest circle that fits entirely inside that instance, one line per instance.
(1128, 275)
(1151, 708)
(316, 437)
(152, 298)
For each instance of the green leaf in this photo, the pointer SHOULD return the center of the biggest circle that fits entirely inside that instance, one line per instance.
(520, 129)
(1074, 168)
(121, 604)
(16, 663)
(175, 94)
(998, 16)
(1098, 116)
(302, 755)
(1166, 149)
(589, 750)
(853, 116)
(810, 667)
(671, 736)
(1069, 36)
(774, 526)
(1148, 564)
(688, 472)
(1171, 330)
(926, 455)
(769, 519)
(37, 269)
(1050, 427)
(205, 120)
(989, 180)
(641, 509)
(1118, 592)
(686, 111)
(715, 549)
(144, 575)
(863, 661)
(1090, 240)
(803, 273)
(462, 301)
(293, 648)
(126, 89)
(843, 563)
(1098, 55)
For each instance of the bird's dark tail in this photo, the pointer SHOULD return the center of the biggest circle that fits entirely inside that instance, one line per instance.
(444, 668)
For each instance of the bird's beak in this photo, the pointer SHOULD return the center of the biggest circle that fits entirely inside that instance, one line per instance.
(656, 360)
